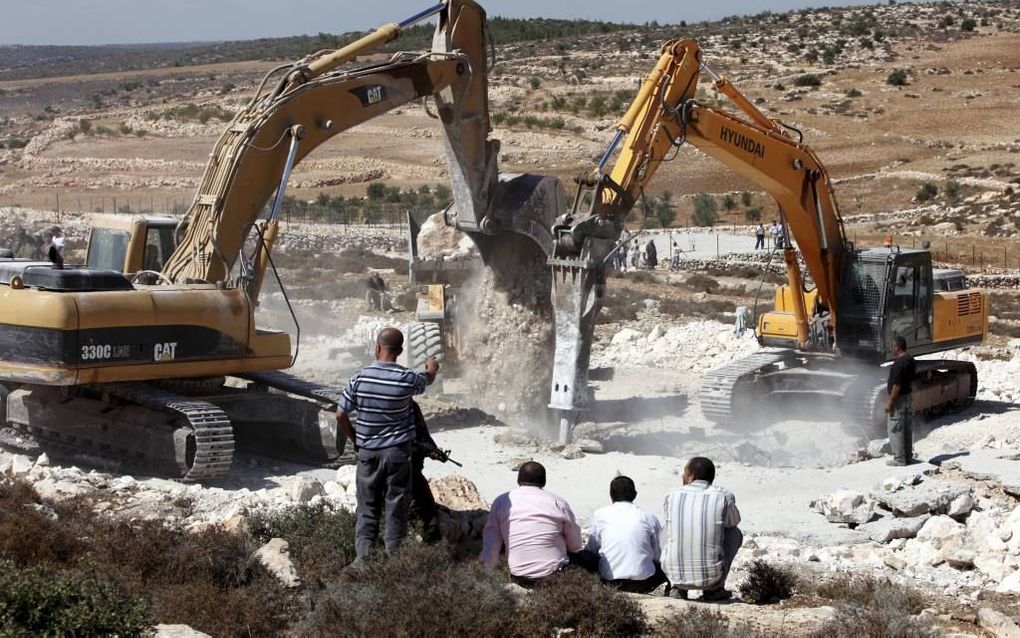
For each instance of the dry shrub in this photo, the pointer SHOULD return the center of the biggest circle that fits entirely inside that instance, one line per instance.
(321, 539)
(702, 283)
(767, 584)
(29, 537)
(209, 580)
(873, 607)
(699, 623)
(421, 591)
(575, 599)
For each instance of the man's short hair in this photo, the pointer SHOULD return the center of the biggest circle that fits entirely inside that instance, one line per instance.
(701, 469)
(622, 488)
(531, 473)
(900, 342)
(390, 339)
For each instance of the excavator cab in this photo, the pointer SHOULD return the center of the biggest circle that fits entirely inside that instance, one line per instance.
(131, 243)
(888, 292)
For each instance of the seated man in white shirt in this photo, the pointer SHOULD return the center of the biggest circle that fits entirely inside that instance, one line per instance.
(626, 541)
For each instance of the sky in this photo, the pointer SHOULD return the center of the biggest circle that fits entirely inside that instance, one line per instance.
(135, 21)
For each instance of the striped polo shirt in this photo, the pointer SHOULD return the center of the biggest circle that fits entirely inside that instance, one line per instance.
(380, 395)
(692, 535)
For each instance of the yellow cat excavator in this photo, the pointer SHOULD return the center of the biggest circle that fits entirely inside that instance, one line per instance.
(132, 370)
(829, 341)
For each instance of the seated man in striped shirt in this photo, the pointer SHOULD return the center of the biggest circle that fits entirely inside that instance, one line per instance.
(700, 537)
(380, 396)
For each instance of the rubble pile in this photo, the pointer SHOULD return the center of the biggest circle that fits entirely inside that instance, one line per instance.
(934, 526)
(697, 347)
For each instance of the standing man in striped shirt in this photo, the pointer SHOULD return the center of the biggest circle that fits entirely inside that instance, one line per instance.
(380, 397)
(700, 537)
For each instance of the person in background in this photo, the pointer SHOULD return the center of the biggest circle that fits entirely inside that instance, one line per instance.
(375, 292)
(380, 396)
(759, 236)
(700, 537)
(776, 231)
(625, 541)
(653, 255)
(898, 405)
(535, 527)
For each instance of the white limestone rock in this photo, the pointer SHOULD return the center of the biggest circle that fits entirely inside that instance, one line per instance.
(275, 556)
(845, 506)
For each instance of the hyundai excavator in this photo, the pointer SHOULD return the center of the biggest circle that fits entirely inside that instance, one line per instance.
(824, 343)
(130, 369)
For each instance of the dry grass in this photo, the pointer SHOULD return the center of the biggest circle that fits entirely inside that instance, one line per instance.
(872, 608)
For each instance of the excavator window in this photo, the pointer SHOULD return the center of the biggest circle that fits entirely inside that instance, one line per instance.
(158, 247)
(107, 248)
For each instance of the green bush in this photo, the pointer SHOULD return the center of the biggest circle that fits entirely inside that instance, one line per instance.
(753, 214)
(705, 210)
(926, 192)
(853, 93)
(898, 78)
(535, 82)
(321, 539)
(78, 603)
(808, 79)
(746, 198)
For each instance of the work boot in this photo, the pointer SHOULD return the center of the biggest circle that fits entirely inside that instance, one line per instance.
(716, 595)
(896, 463)
(675, 592)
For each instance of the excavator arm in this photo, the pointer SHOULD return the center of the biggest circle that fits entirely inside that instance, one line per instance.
(311, 103)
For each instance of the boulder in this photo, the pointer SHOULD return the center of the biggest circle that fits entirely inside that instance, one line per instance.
(889, 528)
(20, 465)
(1010, 584)
(572, 451)
(992, 566)
(921, 554)
(462, 512)
(961, 506)
(590, 446)
(345, 475)
(959, 557)
(942, 531)
(928, 497)
(275, 556)
(43, 460)
(845, 506)
(997, 623)
(303, 490)
(878, 448)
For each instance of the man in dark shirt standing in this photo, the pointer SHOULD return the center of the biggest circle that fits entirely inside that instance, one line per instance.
(897, 406)
(380, 394)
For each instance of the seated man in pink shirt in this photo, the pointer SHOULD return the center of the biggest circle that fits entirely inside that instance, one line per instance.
(536, 527)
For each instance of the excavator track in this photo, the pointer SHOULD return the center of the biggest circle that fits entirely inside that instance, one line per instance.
(212, 433)
(718, 385)
(296, 385)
